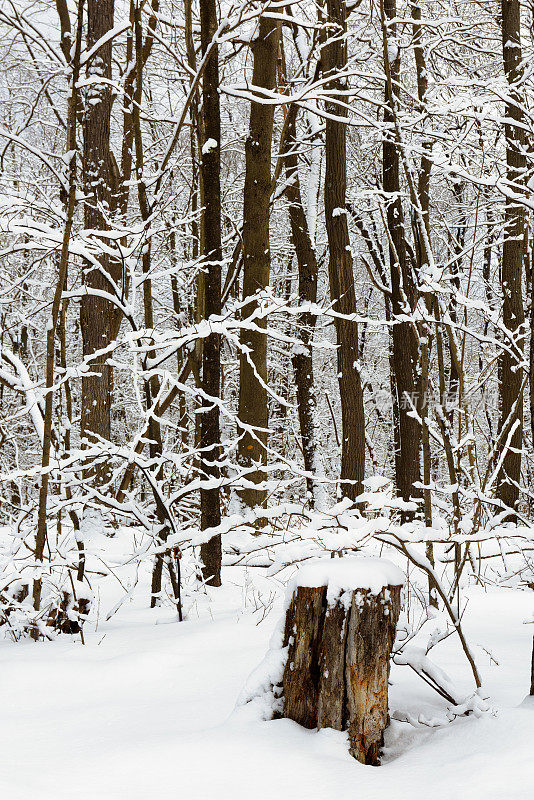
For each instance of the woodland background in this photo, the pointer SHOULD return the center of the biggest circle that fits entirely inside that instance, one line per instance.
(265, 294)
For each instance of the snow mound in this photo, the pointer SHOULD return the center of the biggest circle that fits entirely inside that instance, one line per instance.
(261, 694)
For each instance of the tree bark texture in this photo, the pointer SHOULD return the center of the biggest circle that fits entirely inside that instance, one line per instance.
(513, 257)
(210, 504)
(403, 297)
(338, 662)
(96, 313)
(341, 277)
(307, 288)
(253, 412)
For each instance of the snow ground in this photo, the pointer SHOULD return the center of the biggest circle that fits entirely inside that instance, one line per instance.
(146, 710)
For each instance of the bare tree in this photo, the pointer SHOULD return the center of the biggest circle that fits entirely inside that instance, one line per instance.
(96, 313)
(253, 412)
(307, 289)
(513, 261)
(70, 208)
(340, 267)
(406, 358)
(210, 167)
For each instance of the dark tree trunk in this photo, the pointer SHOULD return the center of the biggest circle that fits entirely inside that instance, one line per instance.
(403, 296)
(342, 292)
(256, 261)
(513, 256)
(338, 662)
(96, 313)
(307, 289)
(210, 504)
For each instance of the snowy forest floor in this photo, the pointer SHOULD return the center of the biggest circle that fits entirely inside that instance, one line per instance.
(146, 709)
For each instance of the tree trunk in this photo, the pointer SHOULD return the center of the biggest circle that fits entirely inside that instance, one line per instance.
(96, 313)
(307, 288)
(403, 297)
(338, 661)
(256, 265)
(210, 503)
(70, 208)
(152, 384)
(513, 256)
(342, 292)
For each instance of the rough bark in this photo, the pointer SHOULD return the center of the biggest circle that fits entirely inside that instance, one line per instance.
(303, 634)
(513, 256)
(340, 271)
(96, 313)
(403, 297)
(210, 503)
(307, 289)
(253, 411)
(331, 711)
(338, 663)
(370, 637)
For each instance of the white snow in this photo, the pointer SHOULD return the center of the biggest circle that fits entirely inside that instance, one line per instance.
(374, 483)
(208, 146)
(148, 710)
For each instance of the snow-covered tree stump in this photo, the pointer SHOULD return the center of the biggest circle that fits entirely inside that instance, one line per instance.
(340, 628)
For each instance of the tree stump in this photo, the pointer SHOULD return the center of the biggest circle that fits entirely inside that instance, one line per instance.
(340, 628)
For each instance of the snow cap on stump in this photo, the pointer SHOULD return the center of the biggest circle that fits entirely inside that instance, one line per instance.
(342, 575)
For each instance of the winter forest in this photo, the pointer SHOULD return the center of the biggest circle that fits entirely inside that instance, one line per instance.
(267, 399)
